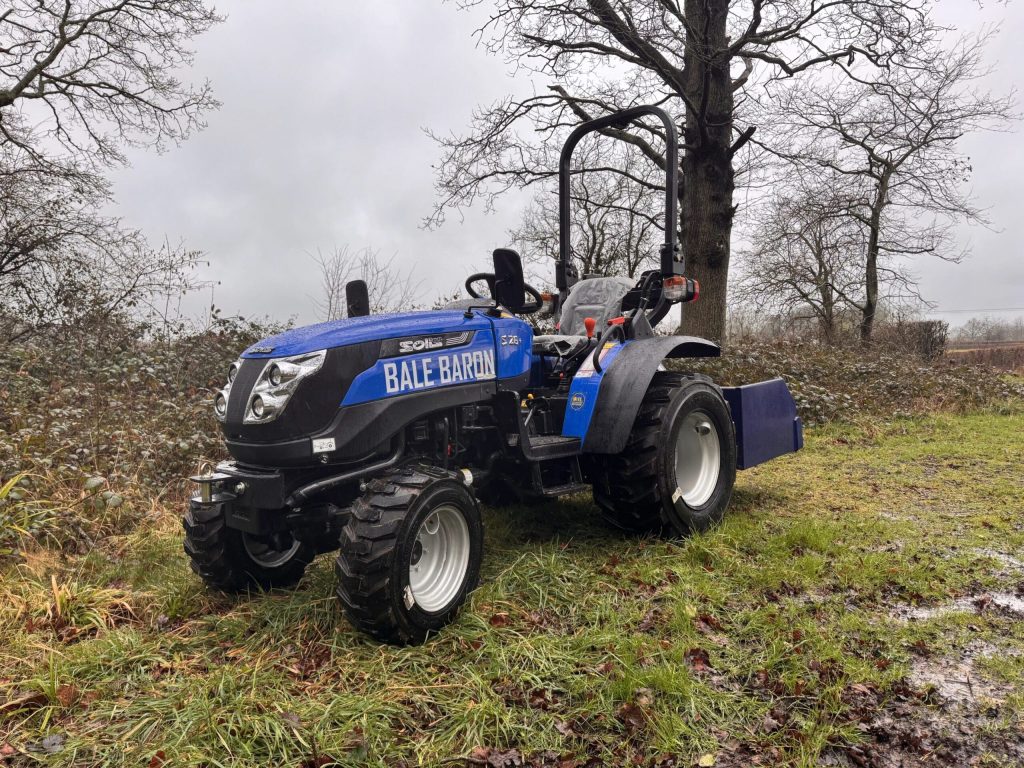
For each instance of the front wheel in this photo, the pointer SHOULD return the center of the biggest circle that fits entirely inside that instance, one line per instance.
(233, 561)
(677, 472)
(410, 555)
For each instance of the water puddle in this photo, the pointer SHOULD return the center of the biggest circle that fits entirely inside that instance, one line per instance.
(1006, 601)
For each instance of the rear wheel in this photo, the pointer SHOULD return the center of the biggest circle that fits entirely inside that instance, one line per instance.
(232, 561)
(677, 472)
(410, 555)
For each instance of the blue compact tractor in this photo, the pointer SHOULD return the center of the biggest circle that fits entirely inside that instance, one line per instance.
(377, 435)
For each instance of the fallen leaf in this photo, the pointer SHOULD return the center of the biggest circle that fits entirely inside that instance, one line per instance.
(499, 620)
(157, 760)
(706, 761)
(564, 728)
(632, 716)
(649, 620)
(643, 697)
(509, 759)
(538, 699)
(66, 695)
(698, 659)
(706, 621)
(479, 753)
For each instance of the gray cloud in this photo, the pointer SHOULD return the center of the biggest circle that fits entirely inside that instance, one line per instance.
(319, 143)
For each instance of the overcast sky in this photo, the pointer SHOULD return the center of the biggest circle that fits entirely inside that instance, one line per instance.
(319, 143)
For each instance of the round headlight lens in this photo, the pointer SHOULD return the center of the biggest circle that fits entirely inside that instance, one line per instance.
(220, 404)
(274, 374)
(258, 409)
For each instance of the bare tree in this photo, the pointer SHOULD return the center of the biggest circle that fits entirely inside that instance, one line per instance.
(390, 288)
(79, 82)
(805, 259)
(62, 263)
(93, 76)
(696, 58)
(893, 144)
(616, 224)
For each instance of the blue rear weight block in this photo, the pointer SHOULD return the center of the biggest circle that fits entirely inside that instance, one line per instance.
(767, 425)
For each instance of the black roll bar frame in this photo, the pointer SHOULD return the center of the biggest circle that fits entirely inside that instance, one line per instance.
(672, 262)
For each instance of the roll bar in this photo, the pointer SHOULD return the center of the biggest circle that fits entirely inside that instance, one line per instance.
(671, 259)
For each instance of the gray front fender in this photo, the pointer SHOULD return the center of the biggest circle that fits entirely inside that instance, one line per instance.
(625, 382)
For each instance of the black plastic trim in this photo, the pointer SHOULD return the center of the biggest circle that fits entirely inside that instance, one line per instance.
(310, 408)
(359, 429)
(625, 382)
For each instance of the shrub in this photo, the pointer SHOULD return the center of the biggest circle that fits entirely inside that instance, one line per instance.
(830, 383)
(105, 426)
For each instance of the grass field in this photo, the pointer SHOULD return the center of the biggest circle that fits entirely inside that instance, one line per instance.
(1008, 355)
(861, 605)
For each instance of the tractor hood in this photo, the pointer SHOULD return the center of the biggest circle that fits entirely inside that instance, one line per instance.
(356, 330)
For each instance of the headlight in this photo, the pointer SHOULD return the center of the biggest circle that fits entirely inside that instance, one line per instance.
(282, 371)
(220, 400)
(277, 383)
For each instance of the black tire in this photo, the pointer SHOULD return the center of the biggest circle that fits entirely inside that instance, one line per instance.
(377, 548)
(638, 490)
(228, 560)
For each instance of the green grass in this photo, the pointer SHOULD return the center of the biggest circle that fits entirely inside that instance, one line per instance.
(755, 639)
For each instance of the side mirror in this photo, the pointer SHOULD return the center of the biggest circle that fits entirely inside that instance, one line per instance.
(357, 298)
(509, 284)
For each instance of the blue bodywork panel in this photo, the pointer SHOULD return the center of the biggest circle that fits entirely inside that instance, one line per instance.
(583, 391)
(403, 375)
(500, 349)
(514, 340)
(355, 330)
(766, 422)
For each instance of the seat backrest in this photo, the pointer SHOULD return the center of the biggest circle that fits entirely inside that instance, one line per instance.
(596, 297)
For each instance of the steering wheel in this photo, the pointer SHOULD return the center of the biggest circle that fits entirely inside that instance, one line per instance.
(477, 277)
(489, 278)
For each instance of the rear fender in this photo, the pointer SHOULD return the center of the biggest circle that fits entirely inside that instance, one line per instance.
(624, 382)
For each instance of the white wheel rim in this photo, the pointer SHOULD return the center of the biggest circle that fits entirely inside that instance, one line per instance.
(698, 458)
(440, 558)
(265, 554)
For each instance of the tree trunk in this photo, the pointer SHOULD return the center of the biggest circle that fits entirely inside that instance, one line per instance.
(828, 317)
(867, 321)
(706, 208)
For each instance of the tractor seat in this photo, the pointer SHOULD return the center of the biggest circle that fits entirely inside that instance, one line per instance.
(596, 297)
(558, 346)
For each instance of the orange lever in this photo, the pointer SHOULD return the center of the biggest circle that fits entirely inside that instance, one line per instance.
(589, 323)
